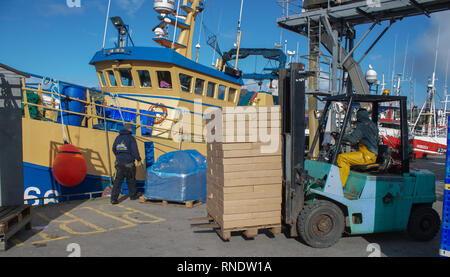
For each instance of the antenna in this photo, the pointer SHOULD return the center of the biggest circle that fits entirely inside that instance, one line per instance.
(213, 40)
(239, 36)
(199, 37)
(176, 25)
(435, 58)
(106, 24)
(393, 66)
(406, 54)
(446, 73)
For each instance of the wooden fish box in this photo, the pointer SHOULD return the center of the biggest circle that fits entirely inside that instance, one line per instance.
(244, 180)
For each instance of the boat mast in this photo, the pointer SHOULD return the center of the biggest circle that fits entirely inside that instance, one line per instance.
(411, 102)
(106, 24)
(428, 106)
(239, 36)
(445, 121)
(393, 66)
(166, 8)
(432, 92)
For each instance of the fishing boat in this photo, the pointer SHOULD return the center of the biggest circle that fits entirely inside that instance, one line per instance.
(162, 91)
(428, 130)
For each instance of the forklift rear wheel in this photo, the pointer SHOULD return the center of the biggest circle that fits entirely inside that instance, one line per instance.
(424, 223)
(321, 224)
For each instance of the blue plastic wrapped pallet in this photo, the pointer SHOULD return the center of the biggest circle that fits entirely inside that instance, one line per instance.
(177, 176)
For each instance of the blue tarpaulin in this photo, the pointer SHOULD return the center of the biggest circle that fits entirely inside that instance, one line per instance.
(177, 176)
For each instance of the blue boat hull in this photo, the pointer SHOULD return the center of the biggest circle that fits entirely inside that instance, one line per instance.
(40, 187)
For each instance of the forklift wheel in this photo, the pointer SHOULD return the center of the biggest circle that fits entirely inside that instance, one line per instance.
(424, 223)
(321, 224)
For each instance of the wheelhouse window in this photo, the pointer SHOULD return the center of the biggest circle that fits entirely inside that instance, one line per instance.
(185, 82)
(231, 95)
(112, 78)
(164, 79)
(221, 95)
(199, 84)
(211, 89)
(126, 78)
(102, 79)
(144, 78)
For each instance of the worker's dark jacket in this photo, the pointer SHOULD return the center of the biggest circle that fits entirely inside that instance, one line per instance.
(365, 131)
(125, 148)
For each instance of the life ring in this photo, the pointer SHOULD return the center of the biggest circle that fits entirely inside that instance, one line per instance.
(160, 115)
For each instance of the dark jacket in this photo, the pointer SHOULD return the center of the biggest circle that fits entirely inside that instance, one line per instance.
(365, 131)
(125, 148)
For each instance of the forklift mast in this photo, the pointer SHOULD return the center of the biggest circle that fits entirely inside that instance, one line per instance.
(292, 100)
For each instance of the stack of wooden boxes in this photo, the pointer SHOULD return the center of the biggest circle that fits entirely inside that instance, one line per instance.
(244, 180)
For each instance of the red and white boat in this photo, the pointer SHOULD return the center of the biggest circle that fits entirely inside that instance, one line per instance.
(425, 140)
(422, 145)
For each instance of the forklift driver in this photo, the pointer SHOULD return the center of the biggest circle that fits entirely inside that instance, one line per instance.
(365, 134)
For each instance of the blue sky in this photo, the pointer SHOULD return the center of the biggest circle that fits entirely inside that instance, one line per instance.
(48, 38)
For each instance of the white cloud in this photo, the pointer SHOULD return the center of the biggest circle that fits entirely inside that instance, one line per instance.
(50, 9)
(425, 48)
(130, 6)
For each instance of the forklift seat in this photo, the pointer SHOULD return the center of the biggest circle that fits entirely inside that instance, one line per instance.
(382, 163)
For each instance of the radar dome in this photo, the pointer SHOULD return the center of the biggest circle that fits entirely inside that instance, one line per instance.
(371, 75)
(164, 6)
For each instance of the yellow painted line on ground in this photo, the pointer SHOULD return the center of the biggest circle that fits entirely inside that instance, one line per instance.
(17, 242)
(127, 223)
(132, 211)
(46, 218)
(64, 223)
(447, 187)
(46, 237)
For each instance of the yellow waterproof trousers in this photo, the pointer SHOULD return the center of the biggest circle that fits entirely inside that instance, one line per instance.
(361, 157)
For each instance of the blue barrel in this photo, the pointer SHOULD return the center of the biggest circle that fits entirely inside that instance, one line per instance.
(445, 231)
(72, 105)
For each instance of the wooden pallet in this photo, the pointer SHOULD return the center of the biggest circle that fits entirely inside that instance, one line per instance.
(12, 220)
(182, 204)
(249, 232)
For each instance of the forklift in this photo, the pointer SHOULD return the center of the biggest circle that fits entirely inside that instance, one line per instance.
(380, 197)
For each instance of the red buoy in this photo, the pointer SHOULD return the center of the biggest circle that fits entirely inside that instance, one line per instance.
(69, 167)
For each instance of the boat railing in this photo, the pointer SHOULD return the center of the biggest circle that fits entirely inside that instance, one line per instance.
(435, 132)
(91, 116)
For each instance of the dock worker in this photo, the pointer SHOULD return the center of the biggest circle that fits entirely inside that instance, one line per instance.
(365, 134)
(126, 151)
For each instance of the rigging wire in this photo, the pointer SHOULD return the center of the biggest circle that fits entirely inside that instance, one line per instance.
(216, 46)
(176, 24)
(201, 24)
(200, 34)
(54, 88)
